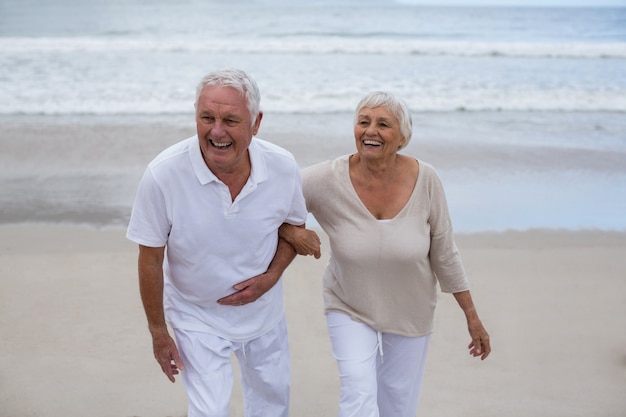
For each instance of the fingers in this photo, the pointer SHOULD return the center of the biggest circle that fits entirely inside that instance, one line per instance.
(474, 348)
(314, 250)
(310, 244)
(480, 347)
(178, 362)
(486, 347)
(171, 367)
(250, 290)
(245, 294)
(167, 356)
(235, 299)
(317, 252)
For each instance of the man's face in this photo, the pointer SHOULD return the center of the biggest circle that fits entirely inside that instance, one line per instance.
(224, 128)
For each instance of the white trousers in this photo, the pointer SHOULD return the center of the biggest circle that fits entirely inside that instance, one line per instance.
(380, 373)
(264, 363)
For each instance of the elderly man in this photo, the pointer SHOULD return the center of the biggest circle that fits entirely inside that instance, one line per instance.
(206, 218)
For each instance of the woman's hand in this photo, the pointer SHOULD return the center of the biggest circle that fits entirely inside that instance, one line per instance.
(480, 345)
(304, 241)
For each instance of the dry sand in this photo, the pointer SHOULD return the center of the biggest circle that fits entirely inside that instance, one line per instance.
(74, 341)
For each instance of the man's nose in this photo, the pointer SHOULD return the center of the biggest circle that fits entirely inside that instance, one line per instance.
(218, 128)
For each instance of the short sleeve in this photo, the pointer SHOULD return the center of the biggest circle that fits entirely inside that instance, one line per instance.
(149, 223)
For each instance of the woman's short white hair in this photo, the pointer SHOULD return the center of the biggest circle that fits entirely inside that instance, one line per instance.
(393, 105)
(237, 79)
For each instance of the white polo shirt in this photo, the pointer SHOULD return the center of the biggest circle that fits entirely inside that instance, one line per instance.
(213, 243)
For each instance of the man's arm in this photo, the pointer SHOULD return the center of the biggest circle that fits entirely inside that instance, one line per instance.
(151, 290)
(251, 289)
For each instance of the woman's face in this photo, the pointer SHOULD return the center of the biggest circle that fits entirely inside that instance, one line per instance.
(377, 133)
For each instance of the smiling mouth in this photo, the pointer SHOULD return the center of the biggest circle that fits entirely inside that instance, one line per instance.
(372, 143)
(220, 145)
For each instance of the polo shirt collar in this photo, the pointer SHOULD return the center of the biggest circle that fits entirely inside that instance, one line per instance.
(204, 174)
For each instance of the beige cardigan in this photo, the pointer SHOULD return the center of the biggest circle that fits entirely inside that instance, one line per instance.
(385, 274)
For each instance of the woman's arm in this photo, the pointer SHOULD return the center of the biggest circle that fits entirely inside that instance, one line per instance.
(479, 345)
(304, 241)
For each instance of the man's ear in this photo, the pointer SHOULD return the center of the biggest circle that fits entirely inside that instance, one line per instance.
(257, 123)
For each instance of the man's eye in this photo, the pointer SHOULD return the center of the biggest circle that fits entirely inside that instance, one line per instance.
(230, 122)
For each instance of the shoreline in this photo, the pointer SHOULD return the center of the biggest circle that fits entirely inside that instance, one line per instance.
(534, 169)
(480, 234)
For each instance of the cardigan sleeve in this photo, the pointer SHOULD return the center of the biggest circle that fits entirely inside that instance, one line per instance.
(444, 255)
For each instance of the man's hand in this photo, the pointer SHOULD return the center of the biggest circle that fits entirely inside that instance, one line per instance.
(166, 354)
(250, 290)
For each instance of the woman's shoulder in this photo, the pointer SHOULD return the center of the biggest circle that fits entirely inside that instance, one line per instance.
(326, 168)
(426, 172)
(428, 176)
(426, 168)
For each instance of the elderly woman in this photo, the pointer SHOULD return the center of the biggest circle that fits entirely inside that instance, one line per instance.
(391, 242)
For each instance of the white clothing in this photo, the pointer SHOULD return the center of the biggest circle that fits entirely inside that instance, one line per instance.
(264, 365)
(381, 373)
(213, 242)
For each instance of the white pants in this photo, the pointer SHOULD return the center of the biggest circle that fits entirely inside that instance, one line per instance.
(381, 373)
(208, 376)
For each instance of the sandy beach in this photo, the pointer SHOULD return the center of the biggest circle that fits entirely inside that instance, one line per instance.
(74, 340)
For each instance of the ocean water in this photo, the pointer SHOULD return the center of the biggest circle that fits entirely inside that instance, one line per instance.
(131, 56)
(547, 84)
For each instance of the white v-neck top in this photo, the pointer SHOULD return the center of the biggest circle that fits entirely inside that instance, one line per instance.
(385, 274)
